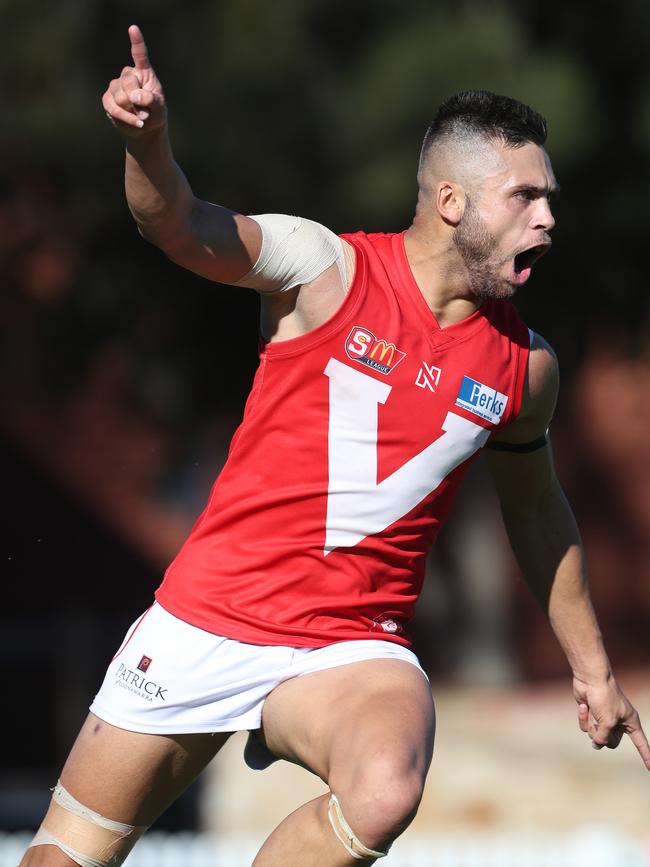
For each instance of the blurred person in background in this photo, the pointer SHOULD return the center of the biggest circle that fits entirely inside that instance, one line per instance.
(389, 362)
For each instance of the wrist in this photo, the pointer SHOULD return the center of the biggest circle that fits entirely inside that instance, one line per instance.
(593, 676)
(147, 142)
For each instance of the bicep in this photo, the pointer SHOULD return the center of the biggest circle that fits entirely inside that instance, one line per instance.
(520, 457)
(218, 244)
(539, 398)
(270, 253)
(522, 479)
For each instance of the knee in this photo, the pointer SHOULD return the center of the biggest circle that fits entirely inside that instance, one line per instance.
(381, 804)
(387, 807)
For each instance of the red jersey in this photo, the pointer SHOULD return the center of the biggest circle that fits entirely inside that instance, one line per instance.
(354, 439)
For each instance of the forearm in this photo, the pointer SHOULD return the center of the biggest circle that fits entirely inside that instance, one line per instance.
(547, 545)
(574, 622)
(157, 192)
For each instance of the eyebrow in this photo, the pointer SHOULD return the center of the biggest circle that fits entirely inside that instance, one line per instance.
(553, 190)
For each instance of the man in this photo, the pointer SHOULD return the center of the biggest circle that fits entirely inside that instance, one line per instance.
(390, 361)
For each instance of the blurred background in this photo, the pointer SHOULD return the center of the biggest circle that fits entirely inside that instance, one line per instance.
(122, 377)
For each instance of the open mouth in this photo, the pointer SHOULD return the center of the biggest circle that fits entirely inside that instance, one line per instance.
(524, 261)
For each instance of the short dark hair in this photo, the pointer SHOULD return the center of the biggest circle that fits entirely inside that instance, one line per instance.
(479, 112)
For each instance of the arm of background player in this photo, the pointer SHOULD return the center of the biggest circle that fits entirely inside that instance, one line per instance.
(547, 545)
(212, 241)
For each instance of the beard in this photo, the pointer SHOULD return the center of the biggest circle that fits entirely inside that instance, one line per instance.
(477, 248)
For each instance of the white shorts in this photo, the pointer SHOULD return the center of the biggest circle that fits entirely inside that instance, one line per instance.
(169, 677)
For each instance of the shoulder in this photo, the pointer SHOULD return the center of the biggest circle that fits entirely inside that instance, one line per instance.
(543, 377)
(540, 393)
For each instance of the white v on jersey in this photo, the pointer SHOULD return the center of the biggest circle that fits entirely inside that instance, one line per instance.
(354, 439)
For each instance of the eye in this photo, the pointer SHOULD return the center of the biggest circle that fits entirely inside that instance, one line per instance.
(525, 195)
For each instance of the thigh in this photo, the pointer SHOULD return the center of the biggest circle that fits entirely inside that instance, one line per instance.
(132, 777)
(340, 721)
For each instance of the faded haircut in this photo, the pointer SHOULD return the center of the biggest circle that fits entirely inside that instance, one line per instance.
(481, 113)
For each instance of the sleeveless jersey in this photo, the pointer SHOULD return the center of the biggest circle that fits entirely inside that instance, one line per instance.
(353, 442)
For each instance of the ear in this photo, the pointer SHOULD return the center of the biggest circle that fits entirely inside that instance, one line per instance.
(450, 202)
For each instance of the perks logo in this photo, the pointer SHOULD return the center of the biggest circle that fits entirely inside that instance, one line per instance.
(482, 400)
(362, 345)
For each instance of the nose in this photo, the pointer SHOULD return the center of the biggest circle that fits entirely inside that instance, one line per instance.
(543, 218)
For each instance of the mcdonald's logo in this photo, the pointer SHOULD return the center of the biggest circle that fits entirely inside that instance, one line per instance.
(381, 355)
(383, 349)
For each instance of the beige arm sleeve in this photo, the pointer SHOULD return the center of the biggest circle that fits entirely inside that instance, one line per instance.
(294, 251)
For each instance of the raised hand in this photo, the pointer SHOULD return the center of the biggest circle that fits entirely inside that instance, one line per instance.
(606, 714)
(134, 102)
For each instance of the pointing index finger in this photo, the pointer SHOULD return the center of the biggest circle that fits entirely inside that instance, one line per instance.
(138, 48)
(640, 741)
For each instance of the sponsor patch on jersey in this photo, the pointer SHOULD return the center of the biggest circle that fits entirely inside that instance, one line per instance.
(129, 679)
(387, 623)
(486, 402)
(428, 377)
(144, 663)
(375, 352)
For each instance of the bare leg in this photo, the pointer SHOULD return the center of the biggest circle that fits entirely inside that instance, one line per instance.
(366, 729)
(127, 776)
(309, 828)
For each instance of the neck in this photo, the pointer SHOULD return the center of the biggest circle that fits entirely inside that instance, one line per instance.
(440, 274)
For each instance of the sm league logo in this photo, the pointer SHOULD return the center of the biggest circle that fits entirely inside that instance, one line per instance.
(361, 345)
(486, 402)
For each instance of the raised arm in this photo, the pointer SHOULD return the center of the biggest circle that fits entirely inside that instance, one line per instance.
(301, 269)
(546, 542)
(213, 241)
